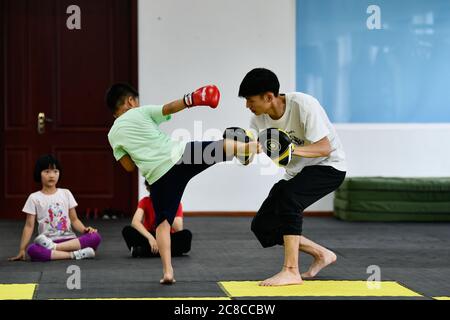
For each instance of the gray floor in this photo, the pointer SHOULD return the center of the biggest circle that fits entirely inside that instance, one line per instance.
(416, 255)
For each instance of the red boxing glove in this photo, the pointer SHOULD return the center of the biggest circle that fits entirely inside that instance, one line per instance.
(205, 96)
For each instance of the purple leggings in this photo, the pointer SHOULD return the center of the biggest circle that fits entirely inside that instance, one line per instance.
(41, 254)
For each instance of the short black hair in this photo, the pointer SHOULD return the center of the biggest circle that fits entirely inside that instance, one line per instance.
(259, 81)
(116, 95)
(46, 162)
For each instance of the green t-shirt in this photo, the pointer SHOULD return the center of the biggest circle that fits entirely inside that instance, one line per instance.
(137, 134)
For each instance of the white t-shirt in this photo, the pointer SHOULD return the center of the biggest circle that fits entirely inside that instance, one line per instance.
(52, 213)
(306, 122)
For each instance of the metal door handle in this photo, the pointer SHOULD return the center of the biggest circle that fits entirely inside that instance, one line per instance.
(41, 122)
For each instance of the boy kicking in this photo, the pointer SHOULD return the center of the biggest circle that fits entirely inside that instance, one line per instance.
(167, 165)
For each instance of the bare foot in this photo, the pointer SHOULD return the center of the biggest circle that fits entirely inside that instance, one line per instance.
(284, 278)
(319, 263)
(168, 278)
(167, 281)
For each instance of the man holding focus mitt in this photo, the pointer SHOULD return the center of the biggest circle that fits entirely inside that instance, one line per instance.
(295, 132)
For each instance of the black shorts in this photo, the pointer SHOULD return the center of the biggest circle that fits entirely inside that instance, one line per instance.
(282, 212)
(167, 191)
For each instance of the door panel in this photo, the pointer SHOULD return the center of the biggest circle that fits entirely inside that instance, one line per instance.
(47, 68)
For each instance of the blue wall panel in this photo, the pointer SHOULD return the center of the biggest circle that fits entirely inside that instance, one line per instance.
(398, 73)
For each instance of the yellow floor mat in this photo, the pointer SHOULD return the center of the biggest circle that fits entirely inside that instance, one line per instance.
(161, 298)
(318, 288)
(441, 298)
(17, 291)
(312, 288)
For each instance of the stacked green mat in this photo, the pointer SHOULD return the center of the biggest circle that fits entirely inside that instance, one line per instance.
(393, 199)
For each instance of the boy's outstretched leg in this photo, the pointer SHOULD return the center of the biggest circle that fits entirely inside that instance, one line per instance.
(163, 240)
(322, 256)
(289, 274)
(237, 148)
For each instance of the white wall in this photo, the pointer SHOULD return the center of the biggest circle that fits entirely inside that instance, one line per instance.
(190, 43)
(400, 150)
(403, 150)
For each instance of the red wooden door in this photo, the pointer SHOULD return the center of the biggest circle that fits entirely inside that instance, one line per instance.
(64, 73)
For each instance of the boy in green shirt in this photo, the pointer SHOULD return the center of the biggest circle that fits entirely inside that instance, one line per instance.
(167, 165)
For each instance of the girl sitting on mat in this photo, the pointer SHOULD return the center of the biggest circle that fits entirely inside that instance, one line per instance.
(54, 210)
(140, 236)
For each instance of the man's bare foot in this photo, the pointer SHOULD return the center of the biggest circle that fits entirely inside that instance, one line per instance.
(320, 262)
(287, 276)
